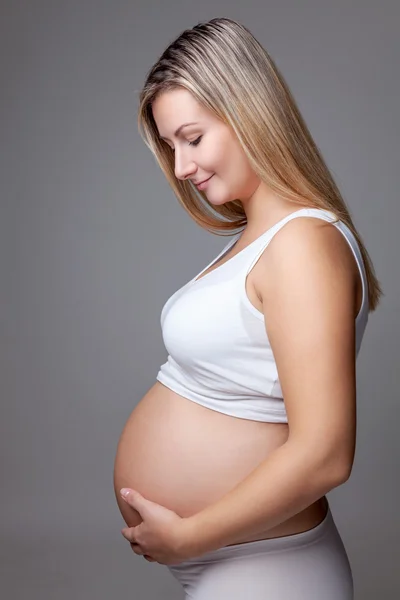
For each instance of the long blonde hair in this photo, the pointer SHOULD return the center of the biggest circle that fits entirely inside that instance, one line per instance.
(228, 71)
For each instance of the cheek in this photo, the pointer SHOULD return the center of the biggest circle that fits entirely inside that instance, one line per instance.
(236, 172)
(234, 177)
(242, 175)
(224, 162)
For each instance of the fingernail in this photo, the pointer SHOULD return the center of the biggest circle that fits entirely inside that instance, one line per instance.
(124, 492)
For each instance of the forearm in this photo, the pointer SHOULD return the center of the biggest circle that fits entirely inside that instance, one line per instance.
(285, 483)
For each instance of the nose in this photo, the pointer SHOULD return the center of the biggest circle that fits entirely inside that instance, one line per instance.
(183, 168)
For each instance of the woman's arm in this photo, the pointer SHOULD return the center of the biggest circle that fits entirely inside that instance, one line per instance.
(288, 481)
(308, 290)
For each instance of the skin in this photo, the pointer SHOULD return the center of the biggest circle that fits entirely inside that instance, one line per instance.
(309, 290)
(211, 148)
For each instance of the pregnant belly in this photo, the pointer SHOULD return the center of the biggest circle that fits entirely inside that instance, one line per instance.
(185, 457)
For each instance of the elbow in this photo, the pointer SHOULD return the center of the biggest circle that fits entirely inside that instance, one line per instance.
(342, 464)
(326, 470)
(336, 473)
(345, 472)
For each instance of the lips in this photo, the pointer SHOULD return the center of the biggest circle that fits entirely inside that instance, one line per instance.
(204, 180)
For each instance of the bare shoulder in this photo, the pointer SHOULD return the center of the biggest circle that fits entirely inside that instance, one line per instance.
(308, 250)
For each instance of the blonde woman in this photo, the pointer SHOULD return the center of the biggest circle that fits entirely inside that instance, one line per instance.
(228, 458)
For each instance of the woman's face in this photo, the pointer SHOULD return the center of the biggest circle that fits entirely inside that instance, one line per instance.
(205, 149)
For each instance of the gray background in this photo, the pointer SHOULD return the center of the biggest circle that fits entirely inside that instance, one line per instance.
(93, 242)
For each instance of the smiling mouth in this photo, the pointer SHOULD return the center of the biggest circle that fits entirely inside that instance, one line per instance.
(200, 185)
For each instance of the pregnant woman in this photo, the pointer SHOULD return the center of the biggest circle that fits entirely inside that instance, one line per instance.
(252, 419)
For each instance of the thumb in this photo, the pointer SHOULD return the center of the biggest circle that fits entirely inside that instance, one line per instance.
(132, 497)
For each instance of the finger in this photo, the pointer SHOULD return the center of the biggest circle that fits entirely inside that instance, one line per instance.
(131, 497)
(129, 534)
(147, 557)
(137, 549)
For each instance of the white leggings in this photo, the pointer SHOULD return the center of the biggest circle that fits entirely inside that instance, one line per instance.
(312, 565)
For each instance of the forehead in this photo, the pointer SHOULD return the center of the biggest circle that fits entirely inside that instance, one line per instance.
(175, 107)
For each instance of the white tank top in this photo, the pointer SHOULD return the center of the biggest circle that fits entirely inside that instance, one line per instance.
(219, 354)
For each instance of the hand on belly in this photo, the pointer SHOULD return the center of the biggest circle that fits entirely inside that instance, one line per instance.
(184, 456)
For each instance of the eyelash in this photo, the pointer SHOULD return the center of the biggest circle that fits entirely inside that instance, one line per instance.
(195, 142)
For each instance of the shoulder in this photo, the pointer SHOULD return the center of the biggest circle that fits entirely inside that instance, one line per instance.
(309, 236)
(307, 251)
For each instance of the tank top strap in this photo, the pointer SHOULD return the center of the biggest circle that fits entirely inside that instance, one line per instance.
(326, 215)
(266, 237)
(348, 234)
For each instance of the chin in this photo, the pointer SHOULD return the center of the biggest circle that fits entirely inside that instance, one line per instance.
(218, 201)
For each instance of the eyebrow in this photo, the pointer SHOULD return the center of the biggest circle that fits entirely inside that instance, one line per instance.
(177, 132)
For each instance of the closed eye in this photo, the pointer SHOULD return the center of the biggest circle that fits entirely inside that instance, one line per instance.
(195, 142)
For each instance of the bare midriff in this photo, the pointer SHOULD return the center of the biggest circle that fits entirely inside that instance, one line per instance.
(185, 457)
